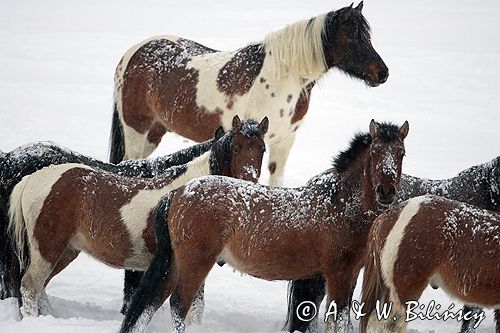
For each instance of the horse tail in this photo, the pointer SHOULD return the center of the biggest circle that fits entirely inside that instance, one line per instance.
(117, 141)
(158, 281)
(374, 287)
(17, 225)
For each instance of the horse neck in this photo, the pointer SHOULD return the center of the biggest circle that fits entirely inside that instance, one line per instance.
(220, 157)
(179, 175)
(357, 186)
(183, 156)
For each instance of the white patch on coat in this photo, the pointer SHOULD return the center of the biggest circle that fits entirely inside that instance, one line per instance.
(27, 200)
(135, 213)
(390, 251)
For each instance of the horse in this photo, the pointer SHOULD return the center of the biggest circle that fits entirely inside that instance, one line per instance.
(478, 185)
(169, 83)
(272, 233)
(27, 159)
(458, 249)
(61, 210)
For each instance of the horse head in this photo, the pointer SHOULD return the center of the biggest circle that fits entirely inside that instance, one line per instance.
(239, 152)
(386, 156)
(347, 46)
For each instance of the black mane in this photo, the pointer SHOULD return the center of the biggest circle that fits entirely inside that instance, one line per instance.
(221, 156)
(387, 132)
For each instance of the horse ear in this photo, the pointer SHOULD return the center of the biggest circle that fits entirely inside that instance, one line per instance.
(219, 133)
(373, 129)
(359, 7)
(403, 130)
(346, 13)
(264, 125)
(236, 123)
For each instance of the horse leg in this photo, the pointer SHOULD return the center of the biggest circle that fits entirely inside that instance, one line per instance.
(33, 283)
(195, 314)
(66, 258)
(191, 277)
(497, 320)
(155, 133)
(278, 155)
(468, 324)
(300, 291)
(337, 317)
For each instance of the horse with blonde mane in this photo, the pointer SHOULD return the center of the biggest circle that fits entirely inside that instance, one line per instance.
(169, 83)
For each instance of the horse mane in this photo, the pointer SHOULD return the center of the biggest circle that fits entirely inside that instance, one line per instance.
(221, 155)
(387, 132)
(297, 49)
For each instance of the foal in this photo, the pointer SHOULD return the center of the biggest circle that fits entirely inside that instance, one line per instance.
(458, 250)
(268, 232)
(27, 159)
(478, 185)
(64, 209)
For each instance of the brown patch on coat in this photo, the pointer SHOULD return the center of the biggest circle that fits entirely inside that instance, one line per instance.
(272, 167)
(281, 113)
(230, 104)
(156, 132)
(78, 209)
(302, 104)
(238, 75)
(262, 80)
(157, 85)
(289, 98)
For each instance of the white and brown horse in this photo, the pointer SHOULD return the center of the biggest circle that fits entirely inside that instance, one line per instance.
(273, 233)
(478, 185)
(27, 159)
(434, 240)
(61, 210)
(169, 83)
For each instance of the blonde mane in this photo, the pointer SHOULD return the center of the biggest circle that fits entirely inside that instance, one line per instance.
(297, 49)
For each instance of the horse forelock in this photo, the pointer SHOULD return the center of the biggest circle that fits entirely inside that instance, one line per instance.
(297, 49)
(333, 21)
(387, 132)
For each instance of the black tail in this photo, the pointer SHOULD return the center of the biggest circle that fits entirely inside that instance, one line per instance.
(299, 291)
(154, 287)
(117, 141)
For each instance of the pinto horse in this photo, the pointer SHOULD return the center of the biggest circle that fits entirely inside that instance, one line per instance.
(272, 233)
(458, 249)
(30, 158)
(478, 185)
(27, 159)
(169, 83)
(61, 210)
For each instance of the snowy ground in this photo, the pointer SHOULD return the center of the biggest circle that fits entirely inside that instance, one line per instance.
(56, 67)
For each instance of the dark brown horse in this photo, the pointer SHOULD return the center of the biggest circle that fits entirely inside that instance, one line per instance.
(169, 83)
(63, 209)
(434, 240)
(478, 185)
(273, 233)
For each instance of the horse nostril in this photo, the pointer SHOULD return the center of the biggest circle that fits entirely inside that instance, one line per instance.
(383, 74)
(380, 190)
(392, 191)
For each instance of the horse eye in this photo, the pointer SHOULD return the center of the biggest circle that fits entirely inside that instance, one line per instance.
(237, 147)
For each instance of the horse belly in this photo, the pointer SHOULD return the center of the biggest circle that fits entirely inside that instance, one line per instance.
(265, 263)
